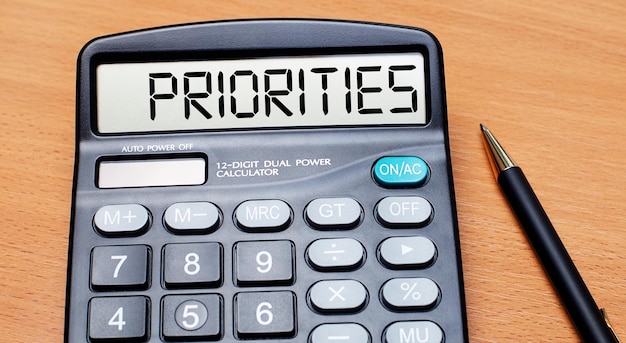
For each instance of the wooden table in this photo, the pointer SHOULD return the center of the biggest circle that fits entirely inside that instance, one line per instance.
(548, 78)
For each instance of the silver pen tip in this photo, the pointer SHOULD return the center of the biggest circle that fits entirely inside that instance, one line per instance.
(499, 159)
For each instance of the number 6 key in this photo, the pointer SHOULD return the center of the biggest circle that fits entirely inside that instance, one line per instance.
(265, 314)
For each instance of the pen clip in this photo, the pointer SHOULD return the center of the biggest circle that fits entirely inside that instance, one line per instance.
(608, 323)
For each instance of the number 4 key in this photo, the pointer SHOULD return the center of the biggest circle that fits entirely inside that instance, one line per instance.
(118, 318)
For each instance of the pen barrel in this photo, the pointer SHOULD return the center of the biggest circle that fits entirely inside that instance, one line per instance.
(557, 263)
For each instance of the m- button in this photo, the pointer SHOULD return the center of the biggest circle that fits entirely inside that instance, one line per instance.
(126, 219)
(192, 217)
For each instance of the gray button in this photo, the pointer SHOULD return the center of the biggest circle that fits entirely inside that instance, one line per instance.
(338, 295)
(263, 215)
(119, 318)
(410, 293)
(336, 253)
(407, 251)
(192, 217)
(192, 317)
(344, 333)
(334, 213)
(120, 267)
(422, 331)
(260, 315)
(407, 211)
(192, 264)
(121, 219)
(268, 263)
(198, 318)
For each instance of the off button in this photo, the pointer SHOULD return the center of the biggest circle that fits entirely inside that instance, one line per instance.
(404, 212)
(400, 171)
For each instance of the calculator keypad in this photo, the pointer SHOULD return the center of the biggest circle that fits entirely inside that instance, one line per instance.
(263, 270)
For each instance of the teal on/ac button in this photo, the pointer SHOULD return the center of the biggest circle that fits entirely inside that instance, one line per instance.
(400, 171)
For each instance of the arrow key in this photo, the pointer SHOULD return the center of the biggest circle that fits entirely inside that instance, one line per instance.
(407, 252)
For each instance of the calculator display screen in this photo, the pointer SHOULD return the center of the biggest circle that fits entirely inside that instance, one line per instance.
(300, 91)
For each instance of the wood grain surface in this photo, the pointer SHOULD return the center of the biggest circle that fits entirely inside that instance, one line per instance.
(548, 78)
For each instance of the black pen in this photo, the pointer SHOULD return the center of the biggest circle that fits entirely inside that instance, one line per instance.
(590, 322)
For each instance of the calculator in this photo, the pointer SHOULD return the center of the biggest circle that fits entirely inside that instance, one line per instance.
(278, 180)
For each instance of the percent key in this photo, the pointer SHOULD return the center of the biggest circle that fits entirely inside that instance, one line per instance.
(410, 293)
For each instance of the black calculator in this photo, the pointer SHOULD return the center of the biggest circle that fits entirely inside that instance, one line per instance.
(264, 181)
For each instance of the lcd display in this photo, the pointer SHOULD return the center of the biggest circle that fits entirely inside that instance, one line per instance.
(328, 90)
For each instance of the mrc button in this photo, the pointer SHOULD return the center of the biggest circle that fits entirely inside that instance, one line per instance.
(263, 215)
(400, 171)
(406, 211)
